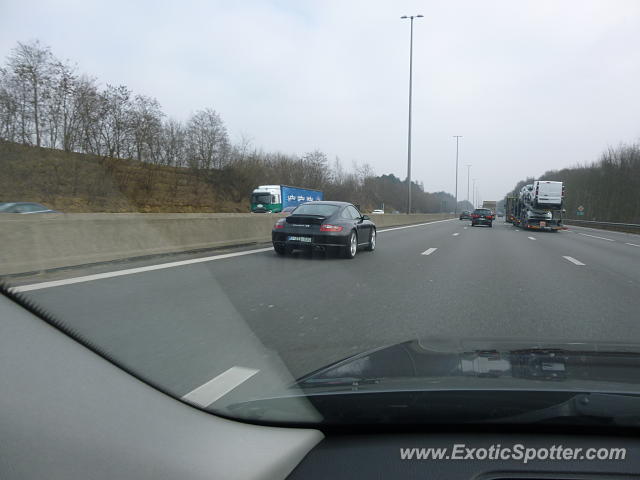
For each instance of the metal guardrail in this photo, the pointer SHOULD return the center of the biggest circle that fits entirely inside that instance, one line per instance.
(604, 225)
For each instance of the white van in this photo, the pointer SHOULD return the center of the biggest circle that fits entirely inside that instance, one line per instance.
(547, 194)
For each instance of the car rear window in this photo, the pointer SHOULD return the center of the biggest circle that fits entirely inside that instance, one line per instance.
(316, 209)
(482, 211)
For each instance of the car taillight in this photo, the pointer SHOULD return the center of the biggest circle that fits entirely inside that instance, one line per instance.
(279, 223)
(330, 228)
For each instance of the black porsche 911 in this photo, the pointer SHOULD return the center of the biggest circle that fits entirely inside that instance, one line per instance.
(324, 226)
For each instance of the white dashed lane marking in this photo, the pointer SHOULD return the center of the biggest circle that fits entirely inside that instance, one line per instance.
(219, 386)
(573, 260)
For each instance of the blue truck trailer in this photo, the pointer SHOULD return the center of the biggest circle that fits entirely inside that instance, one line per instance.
(273, 198)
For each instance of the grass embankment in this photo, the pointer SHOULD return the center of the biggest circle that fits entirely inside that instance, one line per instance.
(75, 182)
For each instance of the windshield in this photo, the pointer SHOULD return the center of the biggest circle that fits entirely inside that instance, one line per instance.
(261, 198)
(265, 209)
(323, 210)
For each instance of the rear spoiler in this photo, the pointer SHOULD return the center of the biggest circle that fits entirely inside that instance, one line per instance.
(305, 219)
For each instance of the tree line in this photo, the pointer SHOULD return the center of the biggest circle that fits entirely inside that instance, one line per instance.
(46, 102)
(608, 188)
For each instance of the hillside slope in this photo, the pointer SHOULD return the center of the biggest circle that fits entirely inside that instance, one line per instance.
(75, 182)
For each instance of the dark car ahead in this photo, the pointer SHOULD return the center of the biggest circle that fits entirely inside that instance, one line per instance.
(482, 216)
(24, 207)
(324, 226)
(465, 215)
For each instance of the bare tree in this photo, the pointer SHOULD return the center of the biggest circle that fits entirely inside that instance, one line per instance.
(146, 126)
(60, 108)
(87, 122)
(207, 140)
(115, 121)
(31, 64)
(8, 107)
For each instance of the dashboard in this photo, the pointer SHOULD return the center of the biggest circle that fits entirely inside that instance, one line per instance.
(380, 456)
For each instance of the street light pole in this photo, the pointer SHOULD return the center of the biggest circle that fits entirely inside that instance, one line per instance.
(474, 193)
(468, 173)
(457, 137)
(411, 17)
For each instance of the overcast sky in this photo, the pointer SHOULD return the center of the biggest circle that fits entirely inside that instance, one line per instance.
(531, 85)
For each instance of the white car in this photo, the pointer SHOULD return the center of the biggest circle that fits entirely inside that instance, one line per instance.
(378, 212)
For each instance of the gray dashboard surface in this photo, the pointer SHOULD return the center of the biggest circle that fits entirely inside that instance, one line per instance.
(67, 413)
(378, 456)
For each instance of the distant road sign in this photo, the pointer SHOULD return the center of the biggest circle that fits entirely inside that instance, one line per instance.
(579, 213)
(581, 208)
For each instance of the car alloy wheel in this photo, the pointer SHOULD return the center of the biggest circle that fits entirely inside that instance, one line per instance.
(352, 246)
(372, 240)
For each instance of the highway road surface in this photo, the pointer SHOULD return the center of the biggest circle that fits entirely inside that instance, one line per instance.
(202, 326)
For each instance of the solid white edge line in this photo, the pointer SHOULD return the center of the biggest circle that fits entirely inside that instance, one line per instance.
(573, 260)
(632, 244)
(219, 386)
(429, 251)
(593, 236)
(414, 225)
(131, 271)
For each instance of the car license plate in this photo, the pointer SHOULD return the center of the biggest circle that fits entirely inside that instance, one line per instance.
(299, 239)
(543, 224)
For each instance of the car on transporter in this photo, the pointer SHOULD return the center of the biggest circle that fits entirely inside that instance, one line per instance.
(325, 226)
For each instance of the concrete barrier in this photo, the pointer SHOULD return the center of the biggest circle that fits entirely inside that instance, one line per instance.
(31, 243)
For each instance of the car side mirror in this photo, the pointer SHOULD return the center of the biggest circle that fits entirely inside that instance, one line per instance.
(365, 217)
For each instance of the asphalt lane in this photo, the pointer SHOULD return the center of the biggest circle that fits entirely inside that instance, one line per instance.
(286, 316)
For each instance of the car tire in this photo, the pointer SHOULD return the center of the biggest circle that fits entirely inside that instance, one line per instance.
(490, 225)
(280, 249)
(352, 246)
(372, 240)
